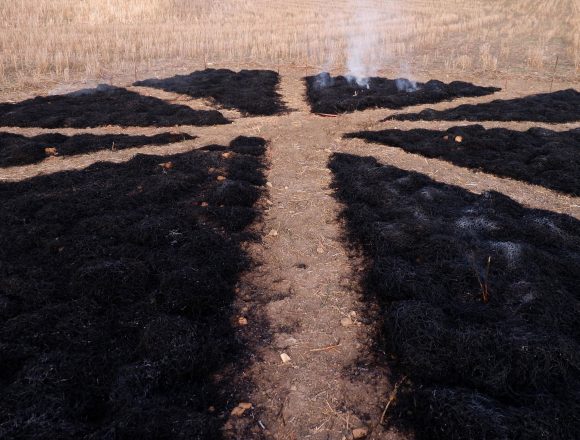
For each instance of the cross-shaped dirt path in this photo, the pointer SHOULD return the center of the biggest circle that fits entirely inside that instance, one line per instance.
(303, 299)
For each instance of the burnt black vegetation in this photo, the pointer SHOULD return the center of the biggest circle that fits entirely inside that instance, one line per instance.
(560, 106)
(540, 156)
(252, 92)
(339, 94)
(103, 105)
(505, 368)
(17, 149)
(116, 284)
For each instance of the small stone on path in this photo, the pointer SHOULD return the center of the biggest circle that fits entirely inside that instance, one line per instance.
(346, 322)
(239, 410)
(359, 433)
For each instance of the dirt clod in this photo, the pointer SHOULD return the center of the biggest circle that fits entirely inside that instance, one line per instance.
(346, 322)
(239, 410)
(360, 433)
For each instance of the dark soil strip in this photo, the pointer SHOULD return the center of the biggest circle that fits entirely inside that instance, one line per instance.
(116, 288)
(252, 92)
(334, 95)
(505, 368)
(17, 150)
(104, 105)
(560, 106)
(539, 156)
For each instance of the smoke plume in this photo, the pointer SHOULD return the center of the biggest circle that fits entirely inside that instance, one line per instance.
(367, 51)
(364, 48)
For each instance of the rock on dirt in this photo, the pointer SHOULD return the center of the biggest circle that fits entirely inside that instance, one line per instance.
(359, 433)
(239, 410)
(346, 322)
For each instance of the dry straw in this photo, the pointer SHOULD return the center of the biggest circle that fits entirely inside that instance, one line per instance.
(61, 40)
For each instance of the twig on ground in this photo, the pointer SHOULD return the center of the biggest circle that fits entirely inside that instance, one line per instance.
(281, 412)
(483, 283)
(329, 347)
(336, 413)
(392, 398)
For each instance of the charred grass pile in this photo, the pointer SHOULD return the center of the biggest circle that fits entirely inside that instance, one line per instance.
(335, 95)
(560, 106)
(18, 150)
(252, 92)
(103, 105)
(480, 302)
(116, 288)
(543, 157)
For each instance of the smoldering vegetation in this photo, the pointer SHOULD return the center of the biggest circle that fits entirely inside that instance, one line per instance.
(333, 95)
(16, 149)
(479, 299)
(539, 156)
(252, 92)
(101, 106)
(116, 291)
(560, 106)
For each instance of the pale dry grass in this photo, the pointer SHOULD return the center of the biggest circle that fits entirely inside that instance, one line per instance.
(63, 40)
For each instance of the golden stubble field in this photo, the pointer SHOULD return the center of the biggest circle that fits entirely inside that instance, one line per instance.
(57, 41)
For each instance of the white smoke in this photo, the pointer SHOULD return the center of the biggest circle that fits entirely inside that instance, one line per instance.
(367, 51)
(79, 88)
(323, 80)
(364, 48)
(406, 85)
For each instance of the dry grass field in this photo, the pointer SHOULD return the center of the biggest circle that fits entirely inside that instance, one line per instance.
(61, 40)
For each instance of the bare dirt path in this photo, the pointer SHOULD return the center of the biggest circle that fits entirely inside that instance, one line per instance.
(300, 300)
(329, 386)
